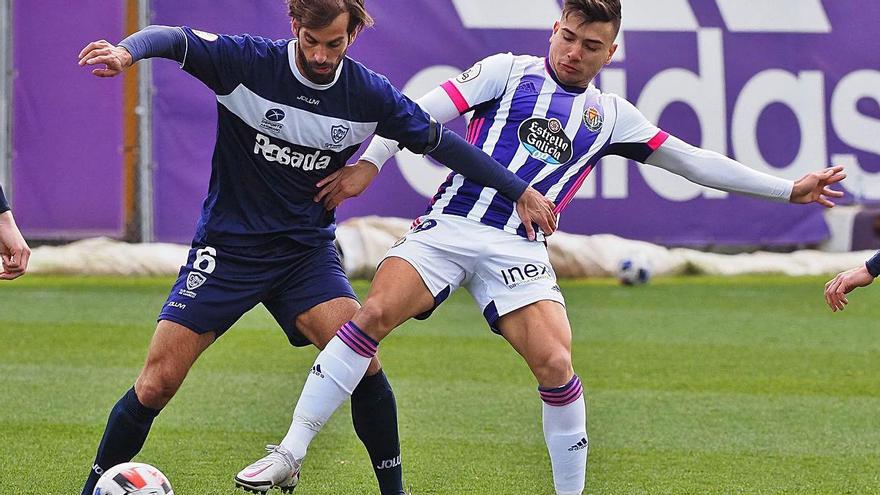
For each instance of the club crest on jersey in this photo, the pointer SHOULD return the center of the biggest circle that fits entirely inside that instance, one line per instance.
(545, 140)
(338, 133)
(593, 119)
(470, 74)
(195, 280)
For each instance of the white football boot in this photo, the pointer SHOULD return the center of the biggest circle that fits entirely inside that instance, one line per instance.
(278, 469)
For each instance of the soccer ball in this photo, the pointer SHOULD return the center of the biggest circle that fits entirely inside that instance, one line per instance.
(634, 270)
(133, 478)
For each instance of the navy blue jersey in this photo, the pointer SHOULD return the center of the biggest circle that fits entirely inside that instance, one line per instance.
(278, 134)
(4, 205)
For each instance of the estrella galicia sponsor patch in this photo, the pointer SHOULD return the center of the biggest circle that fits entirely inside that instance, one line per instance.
(545, 140)
(593, 119)
(469, 74)
(205, 36)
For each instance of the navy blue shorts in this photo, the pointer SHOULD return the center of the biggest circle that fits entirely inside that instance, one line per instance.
(218, 285)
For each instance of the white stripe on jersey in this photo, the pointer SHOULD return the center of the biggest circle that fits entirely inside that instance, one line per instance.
(610, 116)
(571, 129)
(542, 105)
(618, 122)
(298, 126)
(491, 138)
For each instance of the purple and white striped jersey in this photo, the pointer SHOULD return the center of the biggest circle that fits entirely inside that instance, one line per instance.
(552, 135)
(549, 134)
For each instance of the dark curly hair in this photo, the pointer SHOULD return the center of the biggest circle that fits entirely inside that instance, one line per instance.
(316, 14)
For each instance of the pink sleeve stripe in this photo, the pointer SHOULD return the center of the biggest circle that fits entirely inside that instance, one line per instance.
(577, 185)
(657, 140)
(455, 95)
(475, 129)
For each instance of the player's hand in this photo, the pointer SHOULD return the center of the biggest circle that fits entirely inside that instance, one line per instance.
(533, 208)
(115, 58)
(845, 282)
(814, 187)
(347, 182)
(14, 251)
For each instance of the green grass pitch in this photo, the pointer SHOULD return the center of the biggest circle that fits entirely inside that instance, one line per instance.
(694, 385)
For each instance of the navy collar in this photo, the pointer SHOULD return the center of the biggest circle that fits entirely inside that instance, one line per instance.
(566, 87)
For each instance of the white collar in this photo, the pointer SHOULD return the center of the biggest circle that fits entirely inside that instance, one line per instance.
(291, 57)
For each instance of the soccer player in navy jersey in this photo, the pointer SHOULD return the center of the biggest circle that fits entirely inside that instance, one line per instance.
(544, 120)
(14, 251)
(847, 281)
(290, 113)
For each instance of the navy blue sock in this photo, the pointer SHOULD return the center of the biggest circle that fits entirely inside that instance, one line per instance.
(126, 432)
(374, 414)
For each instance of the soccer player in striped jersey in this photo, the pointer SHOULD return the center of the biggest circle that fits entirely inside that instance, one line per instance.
(290, 113)
(543, 119)
(14, 251)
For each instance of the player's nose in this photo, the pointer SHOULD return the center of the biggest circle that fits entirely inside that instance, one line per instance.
(320, 56)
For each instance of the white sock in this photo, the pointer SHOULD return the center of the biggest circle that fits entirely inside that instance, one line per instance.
(337, 371)
(565, 431)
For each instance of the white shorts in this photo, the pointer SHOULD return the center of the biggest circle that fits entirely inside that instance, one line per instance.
(502, 271)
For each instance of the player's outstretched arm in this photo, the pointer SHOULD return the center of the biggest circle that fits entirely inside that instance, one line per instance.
(845, 282)
(14, 251)
(715, 170)
(152, 41)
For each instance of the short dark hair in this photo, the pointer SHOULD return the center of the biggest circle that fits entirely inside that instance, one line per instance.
(316, 14)
(595, 11)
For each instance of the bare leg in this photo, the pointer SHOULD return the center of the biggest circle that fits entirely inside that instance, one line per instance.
(172, 352)
(540, 332)
(397, 293)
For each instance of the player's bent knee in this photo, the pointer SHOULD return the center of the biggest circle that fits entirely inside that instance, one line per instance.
(155, 390)
(374, 320)
(555, 369)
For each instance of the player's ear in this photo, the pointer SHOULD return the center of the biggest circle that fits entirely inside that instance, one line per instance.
(555, 28)
(611, 53)
(294, 27)
(353, 36)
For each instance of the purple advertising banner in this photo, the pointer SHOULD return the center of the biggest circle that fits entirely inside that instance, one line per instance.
(786, 87)
(67, 123)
